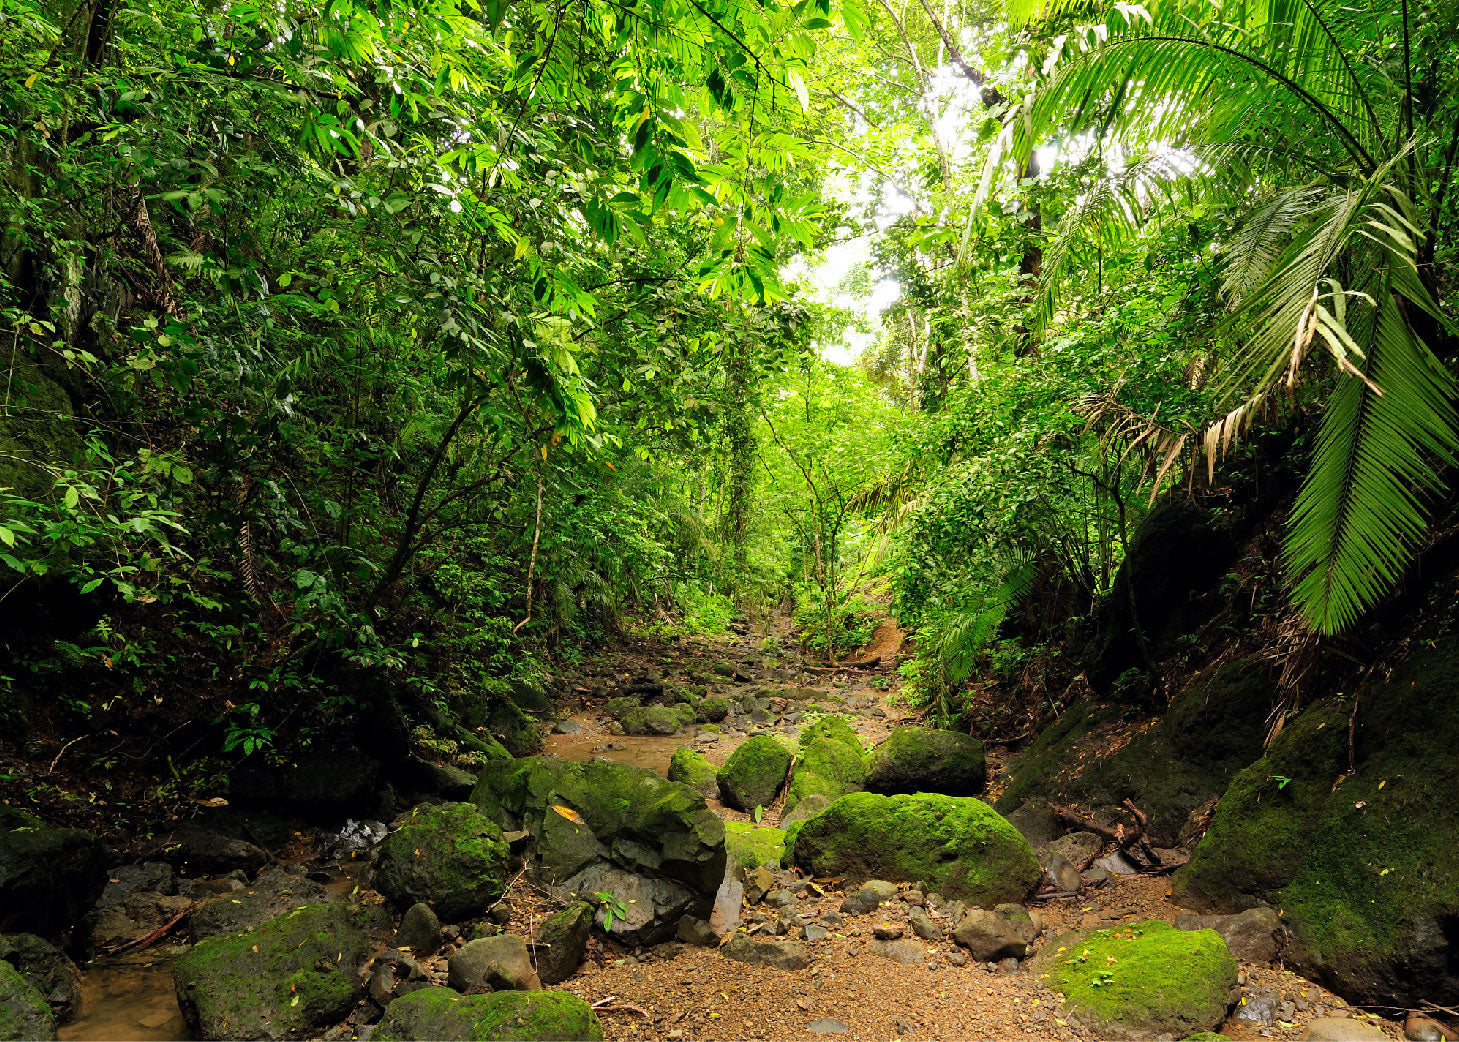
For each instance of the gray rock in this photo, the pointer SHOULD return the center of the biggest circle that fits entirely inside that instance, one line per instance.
(923, 925)
(125, 880)
(869, 896)
(493, 964)
(759, 881)
(420, 930)
(1116, 864)
(1063, 873)
(729, 903)
(1080, 848)
(561, 940)
(989, 937)
(1419, 1028)
(903, 950)
(47, 969)
(814, 932)
(1255, 935)
(1024, 923)
(274, 892)
(780, 955)
(696, 932)
(48, 877)
(888, 931)
(653, 906)
(140, 915)
(1095, 876)
(827, 1027)
(780, 899)
(567, 727)
(957, 957)
(1341, 1029)
(452, 857)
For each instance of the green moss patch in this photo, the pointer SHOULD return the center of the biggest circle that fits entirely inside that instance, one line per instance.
(535, 1016)
(1145, 980)
(960, 846)
(691, 768)
(831, 762)
(24, 1013)
(924, 759)
(754, 845)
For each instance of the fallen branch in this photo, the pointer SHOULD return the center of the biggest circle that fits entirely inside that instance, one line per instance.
(155, 935)
(610, 1005)
(1125, 840)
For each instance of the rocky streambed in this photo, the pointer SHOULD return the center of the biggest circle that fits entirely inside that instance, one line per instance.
(717, 844)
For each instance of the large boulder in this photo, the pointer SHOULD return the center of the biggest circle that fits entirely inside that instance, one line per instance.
(924, 759)
(1146, 980)
(47, 969)
(1362, 864)
(959, 846)
(290, 978)
(754, 772)
(273, 893)
(529, 1016)
(500, 963)
(452, 857)
(24, 1013)
(1168, 767)
(48, 877)
(611, 828)
(831, 762)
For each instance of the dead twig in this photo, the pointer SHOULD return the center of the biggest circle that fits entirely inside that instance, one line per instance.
(611, 1005)
(155, 935)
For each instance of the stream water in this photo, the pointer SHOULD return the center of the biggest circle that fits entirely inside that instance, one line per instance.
(130, 997)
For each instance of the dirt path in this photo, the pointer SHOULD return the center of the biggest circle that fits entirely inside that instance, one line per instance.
(676, 992)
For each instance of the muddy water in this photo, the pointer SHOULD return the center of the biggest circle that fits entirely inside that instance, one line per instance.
(653, 753)
(131, 997)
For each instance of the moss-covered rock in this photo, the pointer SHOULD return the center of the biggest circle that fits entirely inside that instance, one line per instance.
(512, 727)
(691, 768)
(617, 706)
(661, 720)
(1148, 980)
(831, 762)
(754, 772)
(535, 1016)
(959, 846)
(924, 759)
(610, 826)
(24, 1013)
(712, 710)
(1363, 866)
(754, 845)
(48, 877)
(452, 857)
(1167, 766)
(290, 978)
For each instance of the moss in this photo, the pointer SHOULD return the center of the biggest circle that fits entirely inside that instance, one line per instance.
(24, 1013)
(616, 707)
(831, 762)
(753, 774)
(1144, 980)
(452, 857)
(1259, 834)
(712, 710)
(294, 974)
(691, 768)
(662, 720)
(754, 845)
(1034, 771)
(923, 759)
(435, 1013)
(960, 846)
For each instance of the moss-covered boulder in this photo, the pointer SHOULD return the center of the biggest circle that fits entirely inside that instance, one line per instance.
(24, 1012)
(754, 845)
(959, 846)
(657, 719)
(1167, 766)
(49, 877)
(1148, 980)
(712, 710)
(831, 762)
(609, 826)
(754, 772)
(532, 1016)
(451, 857)
(1362, 864)
(290, 978)
(691, 768)
(924, 759)
(48, 969)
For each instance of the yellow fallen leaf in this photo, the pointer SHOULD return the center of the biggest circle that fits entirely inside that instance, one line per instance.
(570, 814)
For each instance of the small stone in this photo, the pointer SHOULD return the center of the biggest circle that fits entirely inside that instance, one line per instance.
(907, 951)
(567, 727)
(833, 919)
(1341, 1029)
(493, 964)
(1063, 874)
(420, 930)
(1008, 966)
(871, 894)
(957, 957)
(781, 955)
(696, 932)
(888, 931)
(780, 899)
(813, 932)
(915, 898)
(827, 1027)
(758, 882)
(923, 926)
